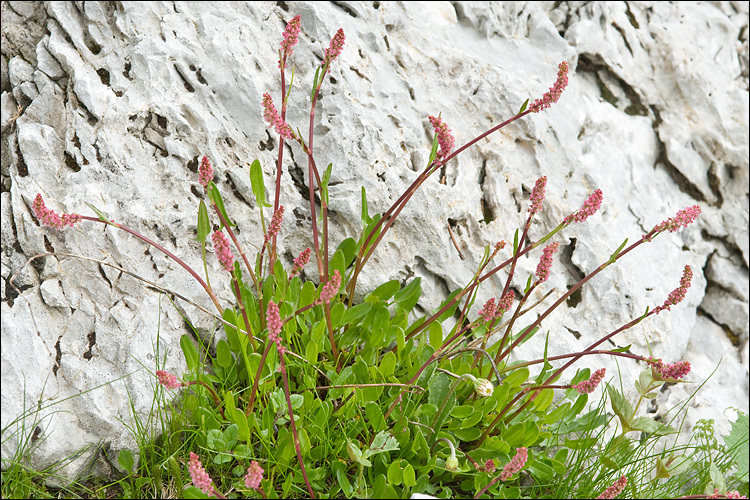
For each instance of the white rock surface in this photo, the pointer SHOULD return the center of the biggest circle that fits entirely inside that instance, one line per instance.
(120, 99)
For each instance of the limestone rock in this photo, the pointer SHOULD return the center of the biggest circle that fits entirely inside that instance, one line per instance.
(120, 100)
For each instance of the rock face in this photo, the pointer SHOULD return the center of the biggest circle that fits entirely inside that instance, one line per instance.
(113, 103)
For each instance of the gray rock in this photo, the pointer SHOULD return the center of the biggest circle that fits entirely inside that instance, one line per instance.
(656, 121)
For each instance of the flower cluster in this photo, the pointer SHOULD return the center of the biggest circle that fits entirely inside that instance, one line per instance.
(545, 262)
(489, 466)
(505, 303)
(487, 312)
(589, 208)
(730, 494)
(674, 371)
(168, 380)
(445, 137)
(273, 322)
(588, 386)
(300, 262)
(223, 252)
(678, 294)
(272, 118)
(555, 91)
(254, 472)
(291, 35)
(537, 195)
(273, 229)
(515, 465)
(615, 489)
(334, 49)
(49, 218)
(330, 289)
(683, 218)
(200, 477)
(205, 172)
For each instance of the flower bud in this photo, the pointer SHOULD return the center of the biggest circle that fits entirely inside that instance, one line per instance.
(483, 387)
(451, 463)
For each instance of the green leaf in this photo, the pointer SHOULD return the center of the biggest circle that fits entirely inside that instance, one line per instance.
(736, 443)
(544, 399)
(621, 407)
(388, 364)
(125, 459)
(346, 486)
(515, 243)
(386, 290)
(102, 216)
(395, 474)
(523, 107)
(257, 184)
(355, 313)
(324, 182)
(383, 442)
(622, 349)
(215, 196)
(315, 87)
(436, 335)
(433, 151)
(517, 378)
(190, 352)
(408, 296)
(462, 411)
(204, 223)
(613, 257)
(375, 416)
(408, 475)
(467, 435)
(366, 219)
(348, 248)
(541, 471)
(223, 354)
(650, 426)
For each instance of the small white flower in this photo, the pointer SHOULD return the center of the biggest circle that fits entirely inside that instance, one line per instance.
(483, 387)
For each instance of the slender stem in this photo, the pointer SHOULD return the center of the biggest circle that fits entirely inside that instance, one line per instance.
(241, 305)
(293, 426)
(167, 252)
(254, 389)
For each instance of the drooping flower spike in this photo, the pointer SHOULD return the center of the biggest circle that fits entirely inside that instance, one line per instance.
(273, 118)
(223, 250)
(545, 262)
(555, 91)
(48, 217)
(291, 35)
(515, 465)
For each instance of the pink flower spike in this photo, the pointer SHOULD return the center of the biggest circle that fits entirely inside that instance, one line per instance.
(50, 218)
(254, 472)
(335, 48)
(515, 465)
(291, 34)
(678, 294)
(555, 91)
(683, 218)
(537, 195)
(223, 252)
(272, 118)
(588, 386)
(276, 220)
(300, 262)
(446, 140)
(200, 477)
(273, 321)
(589, 208)
(669, 371)
(542, 269)
(615, 489)
(168, 380)
(488, 310)
(205, 172)
(489, 466)
(330, 289)
(505, 303)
